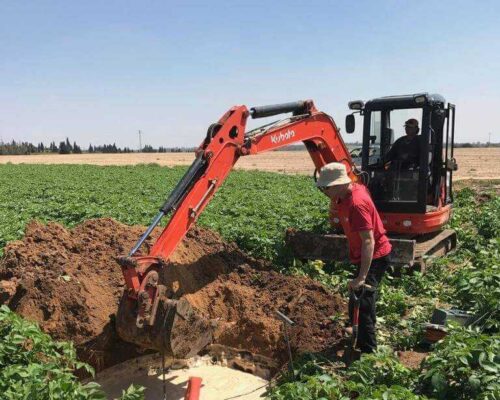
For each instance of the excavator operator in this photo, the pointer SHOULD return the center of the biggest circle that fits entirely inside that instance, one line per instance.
(405, 152)
(369, 247)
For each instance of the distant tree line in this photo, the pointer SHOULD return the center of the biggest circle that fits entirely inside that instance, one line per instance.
(65, 147)
(23, 148)
(108, 148)
(150, 149)
(476, 144)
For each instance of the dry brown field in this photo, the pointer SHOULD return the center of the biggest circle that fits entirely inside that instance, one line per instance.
(479, 163)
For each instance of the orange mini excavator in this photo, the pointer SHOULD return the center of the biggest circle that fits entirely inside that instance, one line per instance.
(414, 202)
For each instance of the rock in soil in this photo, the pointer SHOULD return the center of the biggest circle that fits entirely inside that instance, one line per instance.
(69, 282)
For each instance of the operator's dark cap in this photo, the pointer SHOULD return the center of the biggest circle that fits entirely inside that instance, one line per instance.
(411, 123)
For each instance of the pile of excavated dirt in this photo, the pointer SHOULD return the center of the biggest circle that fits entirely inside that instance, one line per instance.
(246, 300)
(70, 283)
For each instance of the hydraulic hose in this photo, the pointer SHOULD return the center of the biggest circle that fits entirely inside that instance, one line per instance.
(297, 107)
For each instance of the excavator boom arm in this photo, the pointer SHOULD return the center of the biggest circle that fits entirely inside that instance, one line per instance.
(226, 142)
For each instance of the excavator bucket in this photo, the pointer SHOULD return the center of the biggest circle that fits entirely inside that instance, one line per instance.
(152, 318)
(178, 331)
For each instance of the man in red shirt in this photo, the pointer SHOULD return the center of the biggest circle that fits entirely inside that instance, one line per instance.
(369, 247)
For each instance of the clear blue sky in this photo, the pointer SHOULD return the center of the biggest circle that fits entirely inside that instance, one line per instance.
(97, 71)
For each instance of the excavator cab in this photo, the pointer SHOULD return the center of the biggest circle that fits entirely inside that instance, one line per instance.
(422, 185)
(413, 195)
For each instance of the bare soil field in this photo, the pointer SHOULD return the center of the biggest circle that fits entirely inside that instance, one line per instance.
(475, 163)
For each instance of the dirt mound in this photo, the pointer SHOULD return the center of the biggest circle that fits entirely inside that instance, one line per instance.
(246, 300)
(69, 282)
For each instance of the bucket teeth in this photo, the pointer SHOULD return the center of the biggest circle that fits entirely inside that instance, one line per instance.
(178, 331)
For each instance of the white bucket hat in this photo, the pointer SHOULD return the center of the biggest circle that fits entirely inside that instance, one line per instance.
(333, 174)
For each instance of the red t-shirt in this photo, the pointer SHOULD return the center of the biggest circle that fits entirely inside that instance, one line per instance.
(358, 213)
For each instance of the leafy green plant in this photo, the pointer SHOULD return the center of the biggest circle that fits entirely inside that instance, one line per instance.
(316, 387)
(391, 300)
(400, 315)
(394, 392)
(312, 377)
(380, 368)
(404, 332)
(430, 284)
(477, 286)
(475, 221)
(133, 392)
(33, 366)
(334, 275)
(488, 221)
(466, 365)
(376, 376)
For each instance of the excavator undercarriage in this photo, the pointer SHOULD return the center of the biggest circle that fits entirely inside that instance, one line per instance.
(407, 251)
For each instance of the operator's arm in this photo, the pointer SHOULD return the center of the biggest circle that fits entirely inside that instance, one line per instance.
(392, 153)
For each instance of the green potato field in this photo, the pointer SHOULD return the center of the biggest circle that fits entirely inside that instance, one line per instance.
(253, 209)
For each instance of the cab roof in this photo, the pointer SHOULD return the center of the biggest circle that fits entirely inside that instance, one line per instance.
(404, 101)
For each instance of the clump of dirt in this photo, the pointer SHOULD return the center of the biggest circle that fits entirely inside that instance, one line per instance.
(70, 283)
(412, 359)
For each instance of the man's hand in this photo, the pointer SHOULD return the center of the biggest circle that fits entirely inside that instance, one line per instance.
(356, 283)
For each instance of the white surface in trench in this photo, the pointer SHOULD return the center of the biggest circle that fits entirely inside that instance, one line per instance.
(218, 382)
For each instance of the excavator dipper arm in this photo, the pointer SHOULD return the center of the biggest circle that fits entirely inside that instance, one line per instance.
(147, 302)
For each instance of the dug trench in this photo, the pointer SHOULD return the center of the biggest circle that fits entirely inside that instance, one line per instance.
(69, 282)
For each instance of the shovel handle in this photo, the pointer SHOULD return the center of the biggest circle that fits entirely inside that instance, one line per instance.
(355, 316)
